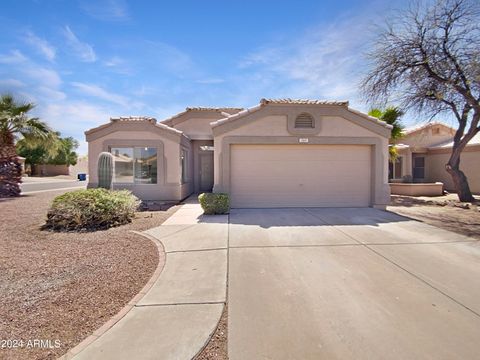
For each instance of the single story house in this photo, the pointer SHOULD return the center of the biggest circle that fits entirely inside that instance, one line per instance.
(424, 151)
(280, 153)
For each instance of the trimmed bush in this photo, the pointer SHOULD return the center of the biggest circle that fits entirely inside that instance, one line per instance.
(91, 209)
(214, 203)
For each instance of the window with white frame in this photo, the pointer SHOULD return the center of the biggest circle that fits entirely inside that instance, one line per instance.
(135, 165)
(184, 165)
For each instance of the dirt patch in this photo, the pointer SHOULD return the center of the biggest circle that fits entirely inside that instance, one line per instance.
(216, 348)
(445, 212)
(63, 286)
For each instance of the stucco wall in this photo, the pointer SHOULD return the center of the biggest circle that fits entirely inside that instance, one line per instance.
(275, 126)
(469, 163)
(80, 167)
(197, 128)
(169, 185)
(426, 137)
(51, 170)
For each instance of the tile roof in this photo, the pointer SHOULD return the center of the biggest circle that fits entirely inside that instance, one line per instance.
(147, 119)
(264, 102)
(201, 108)
(226, 111)
(133, 118)
(302, 102)
(447, 144)
(424, 126)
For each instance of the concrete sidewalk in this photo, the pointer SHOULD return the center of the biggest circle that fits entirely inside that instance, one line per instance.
(177, 316)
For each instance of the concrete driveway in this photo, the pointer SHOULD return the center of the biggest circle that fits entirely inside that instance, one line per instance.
(350, 284)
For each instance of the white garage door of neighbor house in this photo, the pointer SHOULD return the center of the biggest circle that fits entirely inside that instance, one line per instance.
(300, 176)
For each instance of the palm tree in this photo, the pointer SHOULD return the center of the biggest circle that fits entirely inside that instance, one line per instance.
(391, 115)
(14, 123)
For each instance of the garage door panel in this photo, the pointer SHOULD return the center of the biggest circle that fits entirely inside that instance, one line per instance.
(300, 175)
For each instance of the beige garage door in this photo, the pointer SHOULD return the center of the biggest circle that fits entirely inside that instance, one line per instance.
(300, 175)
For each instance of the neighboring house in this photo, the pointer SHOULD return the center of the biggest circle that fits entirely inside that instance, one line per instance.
(424, 151)
(280, 153)
(81, 167)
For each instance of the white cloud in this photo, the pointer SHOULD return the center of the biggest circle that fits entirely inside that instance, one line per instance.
(168, 57)
(44, 76)
(325, 62)
(82, 49)
(50, 94)
(109, 10)
(114, 61)
(14, 57)
(210, 81)
(73, 118)
(101, 93)
(12, 83)
(42, 45)
(118, 65)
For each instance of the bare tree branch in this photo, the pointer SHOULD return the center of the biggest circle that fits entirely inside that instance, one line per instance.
(428, 60)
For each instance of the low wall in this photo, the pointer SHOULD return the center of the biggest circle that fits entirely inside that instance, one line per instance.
(417, 189)
(51, 170)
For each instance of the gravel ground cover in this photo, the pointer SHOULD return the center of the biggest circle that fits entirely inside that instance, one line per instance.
(216, 348)
(445, 212)
(60, 287)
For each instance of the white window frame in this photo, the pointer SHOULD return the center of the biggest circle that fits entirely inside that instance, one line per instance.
(133, 182)
(184, 166)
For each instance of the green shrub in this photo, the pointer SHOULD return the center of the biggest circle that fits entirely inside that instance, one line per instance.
(214, 203)
(91, 209)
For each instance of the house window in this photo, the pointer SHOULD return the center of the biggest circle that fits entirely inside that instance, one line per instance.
(135, 165)
(419, 167)
(395, 168)
(184, 165)
(304, 121)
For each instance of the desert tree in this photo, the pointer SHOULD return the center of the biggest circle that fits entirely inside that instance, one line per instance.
(15, 123)
(427, 58)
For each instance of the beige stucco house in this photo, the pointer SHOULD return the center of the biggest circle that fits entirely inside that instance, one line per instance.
(280, 153)
(424, 151)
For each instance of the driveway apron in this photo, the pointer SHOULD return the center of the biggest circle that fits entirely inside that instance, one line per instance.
(350, 284)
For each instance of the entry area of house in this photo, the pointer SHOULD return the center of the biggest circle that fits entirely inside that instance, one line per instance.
(266, 176)
(203, 165)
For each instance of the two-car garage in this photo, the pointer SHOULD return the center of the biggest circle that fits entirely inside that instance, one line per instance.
(302, 153)
(300, 175)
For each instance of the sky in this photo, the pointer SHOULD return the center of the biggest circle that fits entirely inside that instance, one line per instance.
(82, 62)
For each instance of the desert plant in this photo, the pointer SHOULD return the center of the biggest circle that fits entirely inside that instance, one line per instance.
(54, 150)
(391, 115)
(214, 203)
(427, 58)
(91, 209)
(105, 170)
(14, 122)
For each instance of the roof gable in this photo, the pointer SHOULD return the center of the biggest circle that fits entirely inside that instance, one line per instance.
(330, 108)
(133, 123)
(200, 112)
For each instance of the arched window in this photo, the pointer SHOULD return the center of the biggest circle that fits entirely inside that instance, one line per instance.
(304, 121)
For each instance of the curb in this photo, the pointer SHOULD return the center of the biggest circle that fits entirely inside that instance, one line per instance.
(130, 305)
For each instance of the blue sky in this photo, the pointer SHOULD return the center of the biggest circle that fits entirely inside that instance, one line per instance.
(84, 61)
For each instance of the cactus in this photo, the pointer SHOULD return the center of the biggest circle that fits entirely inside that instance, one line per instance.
(105, 170)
